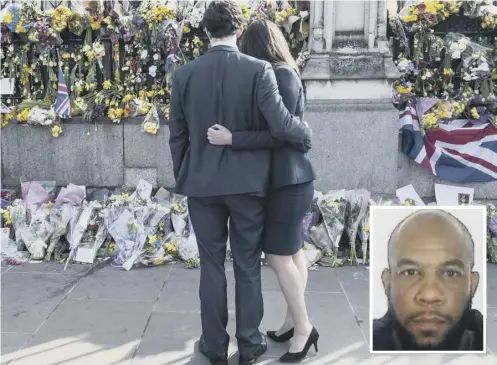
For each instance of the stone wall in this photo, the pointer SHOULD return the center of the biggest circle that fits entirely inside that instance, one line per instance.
(355, 145)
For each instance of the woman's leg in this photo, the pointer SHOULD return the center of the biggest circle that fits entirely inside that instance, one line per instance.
(301, 263)
(290, 281)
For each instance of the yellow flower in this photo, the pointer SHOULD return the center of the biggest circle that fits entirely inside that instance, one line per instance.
(7, 18)
(118, 112)
(430, 120)
(56, 130)
(128, 97)
(197, 41)
(457, 108)
(401, 89)
(23, 116)
(410, 18)
(94, 24)
(186, 28)
(152, 238)
(107, 85)
(60, 16)
(20, 27)
(448, 71)
(171, 249)
(6, 217)
(150, 127)
(474, 113)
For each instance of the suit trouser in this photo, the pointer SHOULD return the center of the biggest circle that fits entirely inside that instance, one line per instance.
(209, 217)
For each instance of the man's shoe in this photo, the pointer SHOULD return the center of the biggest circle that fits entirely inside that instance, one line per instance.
(214, 359)
(260, 350)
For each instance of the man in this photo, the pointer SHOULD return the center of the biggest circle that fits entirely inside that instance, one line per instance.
(239, 92)
(429, 286)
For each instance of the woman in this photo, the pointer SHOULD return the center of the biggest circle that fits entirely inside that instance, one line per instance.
(291, 192)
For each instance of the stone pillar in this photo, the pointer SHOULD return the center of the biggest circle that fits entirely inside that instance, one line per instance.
(316, 36)
(348, 91)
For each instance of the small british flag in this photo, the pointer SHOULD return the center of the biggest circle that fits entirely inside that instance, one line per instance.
(62, 104)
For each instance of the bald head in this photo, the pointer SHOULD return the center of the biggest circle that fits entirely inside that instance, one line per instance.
(430, 224)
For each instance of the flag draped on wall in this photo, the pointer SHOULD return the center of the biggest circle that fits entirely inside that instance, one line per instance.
(460, 151)
(62, 104)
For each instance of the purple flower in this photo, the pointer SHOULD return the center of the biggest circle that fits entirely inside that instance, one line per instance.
(138, 21)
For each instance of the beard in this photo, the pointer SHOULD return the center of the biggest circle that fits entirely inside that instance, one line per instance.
(451, 339)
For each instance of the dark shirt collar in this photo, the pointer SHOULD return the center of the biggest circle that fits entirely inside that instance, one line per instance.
(223, 47)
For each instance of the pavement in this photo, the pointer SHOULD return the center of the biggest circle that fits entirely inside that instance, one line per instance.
(150, 316)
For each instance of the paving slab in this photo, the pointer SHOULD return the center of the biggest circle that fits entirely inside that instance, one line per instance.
(111, 283)
(180, 293)
(330, 313)
(172, 338)
(13, 341)
(105, 330)
(28, 298)
(151, 316)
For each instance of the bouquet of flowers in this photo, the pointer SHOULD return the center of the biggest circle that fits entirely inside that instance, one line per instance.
(84, 223)
(356, 210)
(179, 214)
(37, 231)
(333, 207)
(151, 122)
(59, 220)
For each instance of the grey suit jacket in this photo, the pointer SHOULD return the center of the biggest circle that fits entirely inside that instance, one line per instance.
(239, 92)
(289, 165)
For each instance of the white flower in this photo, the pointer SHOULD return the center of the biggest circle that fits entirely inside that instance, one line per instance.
(156, 57)
(455, 55)
(152, 70)
(144, 54)
(484, 67)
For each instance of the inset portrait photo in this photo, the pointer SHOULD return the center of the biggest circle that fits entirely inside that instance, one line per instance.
(428, 279)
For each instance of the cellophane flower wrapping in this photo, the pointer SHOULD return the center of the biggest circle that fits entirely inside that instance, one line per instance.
(37, 192)
(151, 123)
(179, 213)
(9, 252)
(59, 220)
(476, 60)
(83, 226)
(37, 232)
(364, 230)
(492, 233)
(18, 216)
(358, 201)
(131, 220)
(187, 246)
(333, 207)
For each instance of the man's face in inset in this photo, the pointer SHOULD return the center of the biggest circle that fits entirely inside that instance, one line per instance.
(430, 283)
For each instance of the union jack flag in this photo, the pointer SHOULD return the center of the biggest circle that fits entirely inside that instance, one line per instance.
(62, 104)
(461, 151)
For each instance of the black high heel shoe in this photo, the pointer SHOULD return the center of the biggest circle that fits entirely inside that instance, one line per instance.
(299, 356)
(281, 338)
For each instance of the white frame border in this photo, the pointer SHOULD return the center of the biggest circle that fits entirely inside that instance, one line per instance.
(482, 284)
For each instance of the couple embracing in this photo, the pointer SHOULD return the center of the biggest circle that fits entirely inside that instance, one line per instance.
(238, 143)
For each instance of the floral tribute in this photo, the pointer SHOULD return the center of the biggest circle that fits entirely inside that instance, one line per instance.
(451, 72)
(114, 63)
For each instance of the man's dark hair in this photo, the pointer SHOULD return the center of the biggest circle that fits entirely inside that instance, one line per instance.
(440, 213)
(222, 18)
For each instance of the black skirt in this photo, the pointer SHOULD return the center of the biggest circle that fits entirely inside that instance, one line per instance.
(285, 211)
